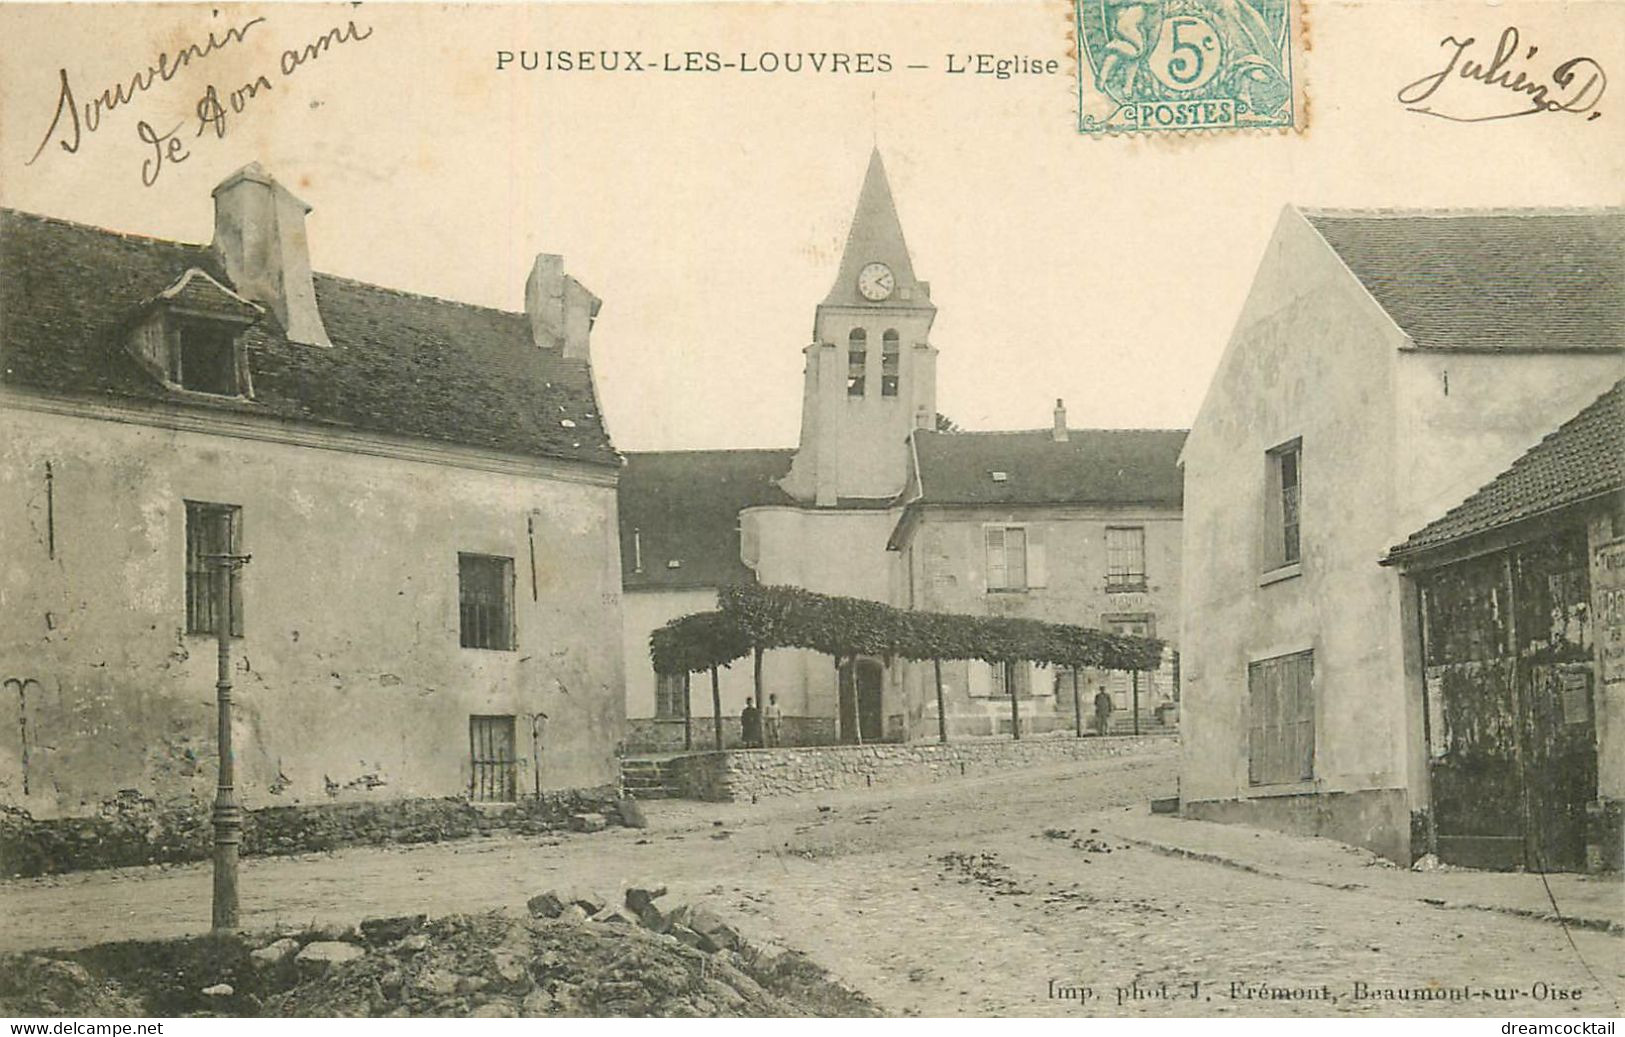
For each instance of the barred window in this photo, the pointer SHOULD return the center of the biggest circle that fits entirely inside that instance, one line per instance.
(485, 599)
(212, 529)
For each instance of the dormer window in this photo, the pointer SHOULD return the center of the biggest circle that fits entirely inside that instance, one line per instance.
(189, 336)
(207, 359)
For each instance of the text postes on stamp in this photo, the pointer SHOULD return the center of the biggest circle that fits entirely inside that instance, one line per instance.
(1180, 65)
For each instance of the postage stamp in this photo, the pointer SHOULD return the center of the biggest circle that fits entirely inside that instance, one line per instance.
(1148, 66)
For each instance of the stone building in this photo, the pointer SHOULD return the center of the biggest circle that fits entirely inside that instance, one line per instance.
(1063, 525)
(1522, 633)
(1372, 380)
(426, 489)
(874, 503)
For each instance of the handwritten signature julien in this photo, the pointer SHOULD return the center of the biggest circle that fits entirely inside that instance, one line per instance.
(1574, 86)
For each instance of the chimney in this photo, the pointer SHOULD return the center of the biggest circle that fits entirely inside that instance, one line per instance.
(560, 308)
(259, 233)
(1059, 432)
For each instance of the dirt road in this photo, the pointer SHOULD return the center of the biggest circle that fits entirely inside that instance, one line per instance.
(1007, 895)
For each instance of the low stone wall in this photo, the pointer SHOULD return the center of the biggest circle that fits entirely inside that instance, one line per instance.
(1377, 819)
(760, 773)
(665, 734)
(131, 829)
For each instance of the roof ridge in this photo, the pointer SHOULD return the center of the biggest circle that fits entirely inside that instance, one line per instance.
(209, 248)
(1046, 430)
(404, 293)
(1388, 212)
(110, 232)
(713, 450)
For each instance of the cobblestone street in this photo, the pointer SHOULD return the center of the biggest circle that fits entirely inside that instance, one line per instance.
(1047, 891)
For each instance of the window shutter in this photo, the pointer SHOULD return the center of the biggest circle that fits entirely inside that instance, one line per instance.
(1015, 558)
(979, 678)
(1303, 670)
(1037, 569)
(997, 576)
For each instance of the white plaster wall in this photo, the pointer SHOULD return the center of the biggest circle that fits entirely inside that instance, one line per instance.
(645, 610)
(350, 675)
(1312, 356)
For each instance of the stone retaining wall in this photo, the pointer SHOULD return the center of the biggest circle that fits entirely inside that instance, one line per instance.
(665, 734)
(760, 773)
(131, 829)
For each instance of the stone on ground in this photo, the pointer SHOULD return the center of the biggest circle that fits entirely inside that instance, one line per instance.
(640, 897)
(631, 813)
(322, 953)
(546, 905)
(388, 930)
(588, 822)
(275, 953)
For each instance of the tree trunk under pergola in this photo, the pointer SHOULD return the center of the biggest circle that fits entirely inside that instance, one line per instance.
(942, 710)
(716, 705)
(1015, 705)
(1077, 705)
(688, 713)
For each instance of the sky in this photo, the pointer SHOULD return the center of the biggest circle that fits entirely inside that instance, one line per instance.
(708, 210)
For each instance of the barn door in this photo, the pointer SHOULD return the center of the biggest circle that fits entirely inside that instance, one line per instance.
(1511, 728)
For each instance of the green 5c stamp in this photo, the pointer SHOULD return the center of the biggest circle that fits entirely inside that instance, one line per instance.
(1149, 66)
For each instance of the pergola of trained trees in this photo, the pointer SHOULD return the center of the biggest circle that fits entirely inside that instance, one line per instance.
(750, 620)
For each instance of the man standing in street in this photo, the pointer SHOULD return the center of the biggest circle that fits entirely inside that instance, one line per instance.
(750, 725)
(774, 718)
(1103, 712)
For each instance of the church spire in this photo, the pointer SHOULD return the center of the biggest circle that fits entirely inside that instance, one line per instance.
(876, 237)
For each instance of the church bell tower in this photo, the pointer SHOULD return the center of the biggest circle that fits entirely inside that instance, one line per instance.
(870, 371)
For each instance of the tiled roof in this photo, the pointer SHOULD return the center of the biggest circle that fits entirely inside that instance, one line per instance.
(1092, 466)
(197, 291)
(685, 507)
(1579, 461)
(405, 364)
(1503, 280)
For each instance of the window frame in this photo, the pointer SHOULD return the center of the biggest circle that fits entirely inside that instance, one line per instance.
(1005, 585)
(857, 360)
(1283, 518)
(507, 624)
(1122, 578)
(1023, 670)
(891, 362)
(199, 573)
(1288, 759)
(669, 696)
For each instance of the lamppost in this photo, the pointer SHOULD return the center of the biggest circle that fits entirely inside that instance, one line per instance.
(228, 816)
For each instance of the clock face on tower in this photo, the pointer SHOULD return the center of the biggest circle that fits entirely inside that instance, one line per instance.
(876, 281)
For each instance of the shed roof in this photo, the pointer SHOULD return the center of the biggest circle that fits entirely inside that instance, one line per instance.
(1581, 460)
(400, 363)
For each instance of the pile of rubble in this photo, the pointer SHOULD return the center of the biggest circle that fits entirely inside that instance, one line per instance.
(575, 955)
(572, 954)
